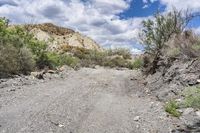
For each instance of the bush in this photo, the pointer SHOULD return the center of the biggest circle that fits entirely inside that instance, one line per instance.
(8, 58)
(110, 58)
(115, 62)
(191, 98)
(69, 60)
(125, 53)
(171, 107)
(55, 60)
(15, 61)
(157, 32)
(27, 62)
(136, 63)
(183, 46)
(15, 57)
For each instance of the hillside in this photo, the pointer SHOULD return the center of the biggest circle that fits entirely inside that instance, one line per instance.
(57, 36)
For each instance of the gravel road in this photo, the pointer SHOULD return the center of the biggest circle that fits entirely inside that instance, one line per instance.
(86, 101)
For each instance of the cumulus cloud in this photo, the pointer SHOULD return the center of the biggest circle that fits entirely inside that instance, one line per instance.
(98, 19)
(95, 18)
(193, 5)
(7, 2)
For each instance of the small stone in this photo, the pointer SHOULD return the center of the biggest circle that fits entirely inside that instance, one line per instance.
(137, 126)
(198, 80)
(198, 113)
(178, 100)
(188, 111)
(151, 104)
(137, 118)
(60, 125)
(180, 110)
(51, 71)
(13, 90)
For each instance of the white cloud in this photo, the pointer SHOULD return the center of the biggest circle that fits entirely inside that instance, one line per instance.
(197, 30)
(145, 6)
(193, 5)
(145, 1)
(95, 18)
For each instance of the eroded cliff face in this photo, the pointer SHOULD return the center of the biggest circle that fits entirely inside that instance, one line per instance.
(56, 37)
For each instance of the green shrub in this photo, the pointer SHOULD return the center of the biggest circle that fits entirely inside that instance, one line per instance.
(15, 61)
(115, 62)
(171, 107)
(136, 63)
(191, 97)
(125, 53)
(69, 60)
(27, 62)
(55, 60)
(158, 31)
(173, 52)
(15, 57)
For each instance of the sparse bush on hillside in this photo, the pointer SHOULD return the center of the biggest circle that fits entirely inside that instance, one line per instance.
(171, 107)
(26, 61)
(157, 32)
(125, 53)
(191, 98)
(69, 60)
(20, 52)
(15, 58)
(136, 63)
(188, 43)
(115, 62)
(110, 58)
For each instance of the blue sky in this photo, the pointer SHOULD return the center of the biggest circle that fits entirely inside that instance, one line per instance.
(112, 23)
(139, 9)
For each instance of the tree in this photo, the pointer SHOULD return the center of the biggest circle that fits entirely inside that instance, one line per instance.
(157, 31)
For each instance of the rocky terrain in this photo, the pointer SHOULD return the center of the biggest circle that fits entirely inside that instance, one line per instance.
(169, 83)
(57, 36)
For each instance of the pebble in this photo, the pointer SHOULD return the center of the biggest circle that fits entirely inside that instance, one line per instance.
(188, 111)
(198, 113)
(60, 125)
(137, 118)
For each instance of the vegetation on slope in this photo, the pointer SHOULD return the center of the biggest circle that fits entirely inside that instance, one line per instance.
(21, 53)
(166, 36)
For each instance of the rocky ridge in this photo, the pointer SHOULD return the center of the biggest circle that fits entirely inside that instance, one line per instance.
(57, 37)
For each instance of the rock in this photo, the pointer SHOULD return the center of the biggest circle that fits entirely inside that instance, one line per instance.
(137, 118)
(198, 113)
(188, 111)
(38, 75)
(97, 67)
(13, 90)
(170, 82)
(191, 120)
(51, 71)
(56, 37)
(60, 125)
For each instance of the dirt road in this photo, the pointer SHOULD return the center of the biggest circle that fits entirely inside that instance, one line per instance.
(86, 101)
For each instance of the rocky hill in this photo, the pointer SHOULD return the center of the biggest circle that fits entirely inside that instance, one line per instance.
(57, 37)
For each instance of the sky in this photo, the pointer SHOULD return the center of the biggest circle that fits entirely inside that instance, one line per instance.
(111, 23)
